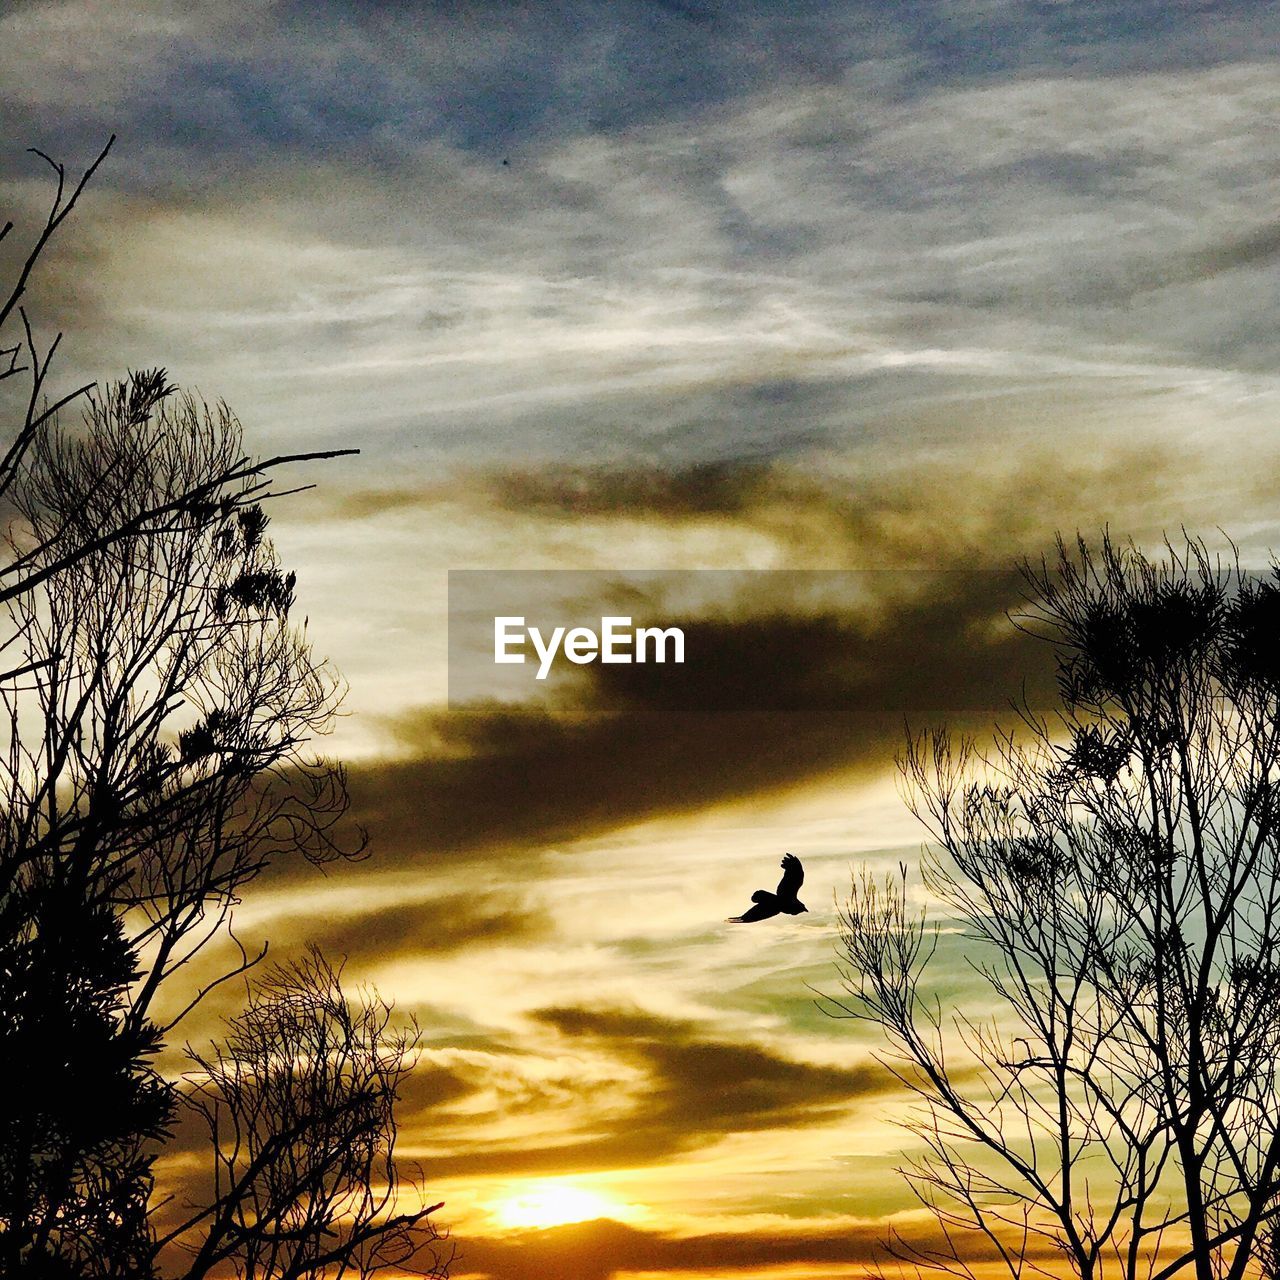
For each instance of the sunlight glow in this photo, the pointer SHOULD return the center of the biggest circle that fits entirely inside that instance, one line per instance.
(553, 1204)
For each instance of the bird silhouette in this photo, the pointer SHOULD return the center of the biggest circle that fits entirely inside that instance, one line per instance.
(785, 900)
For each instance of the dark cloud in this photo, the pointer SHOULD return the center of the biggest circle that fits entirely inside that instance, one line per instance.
(421, 927)
(839, 509)
(724, 488)
(702, 1086)
(776, 701)
(772, 696)
(432, 1084)
(693, 1090)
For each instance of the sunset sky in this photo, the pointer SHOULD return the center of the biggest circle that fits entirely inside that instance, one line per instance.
(667, 286)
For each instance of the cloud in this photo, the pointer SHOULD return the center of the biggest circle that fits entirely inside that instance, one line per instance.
(890, 516)
(628, 1089)
(775, 701)
(434, 926)
(778, 692)
(822, 284)
(701, 1086)
(302, 79)
(605, 1249)
(294, 77)
(824, 509)
(722, 488)
(863, 244)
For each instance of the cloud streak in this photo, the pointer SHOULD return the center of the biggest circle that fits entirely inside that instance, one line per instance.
(606, 1249)
(635, 1089)
(777, 700)
(788, 262)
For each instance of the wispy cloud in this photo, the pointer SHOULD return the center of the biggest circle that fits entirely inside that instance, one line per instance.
(790, 261)
(624, 1089)
(673, 285)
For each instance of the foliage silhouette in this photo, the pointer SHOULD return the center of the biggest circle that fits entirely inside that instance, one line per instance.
(1116, 872)
(155, 709)
(299, 1103)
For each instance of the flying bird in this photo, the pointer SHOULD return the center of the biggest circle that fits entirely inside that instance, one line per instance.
(785, 900)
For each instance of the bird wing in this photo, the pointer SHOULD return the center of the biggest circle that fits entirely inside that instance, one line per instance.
(792, 876)
(766, 905)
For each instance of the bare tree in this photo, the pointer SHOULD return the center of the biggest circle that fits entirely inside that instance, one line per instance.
(153, 734)
(156, 704)
(1115, 873)
(25, 377)
(299, 1105)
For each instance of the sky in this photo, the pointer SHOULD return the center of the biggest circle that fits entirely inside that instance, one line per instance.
(667, 286)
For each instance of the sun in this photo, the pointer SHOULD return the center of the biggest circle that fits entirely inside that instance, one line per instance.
(554, 1203)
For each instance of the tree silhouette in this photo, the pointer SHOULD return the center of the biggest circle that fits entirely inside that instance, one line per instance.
(1111, 1105)
(155, 709)
(81, 1103)
(298, 1103)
